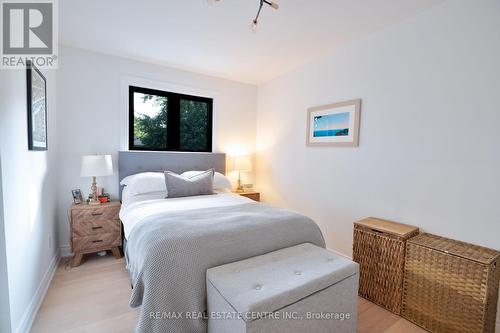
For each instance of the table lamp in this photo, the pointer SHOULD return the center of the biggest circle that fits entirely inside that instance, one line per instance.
(242, 164)
(96, 166)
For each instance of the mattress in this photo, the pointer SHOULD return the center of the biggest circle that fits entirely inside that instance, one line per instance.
(139, 207)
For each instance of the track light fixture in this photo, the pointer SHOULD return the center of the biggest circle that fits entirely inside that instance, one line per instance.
(255, 21)
(272, 4)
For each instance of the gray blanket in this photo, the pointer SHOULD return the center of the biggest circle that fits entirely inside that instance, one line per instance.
(168, 255)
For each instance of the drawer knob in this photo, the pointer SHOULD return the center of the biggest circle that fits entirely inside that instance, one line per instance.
(96, 213)
(94, 228)
(97, 241)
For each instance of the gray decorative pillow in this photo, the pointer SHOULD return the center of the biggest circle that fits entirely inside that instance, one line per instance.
(179, 186)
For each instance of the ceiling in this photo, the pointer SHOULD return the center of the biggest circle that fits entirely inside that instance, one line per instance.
(215, 38)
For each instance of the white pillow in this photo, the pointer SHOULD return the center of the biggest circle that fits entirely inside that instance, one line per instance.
(145, 182)
(220, 181)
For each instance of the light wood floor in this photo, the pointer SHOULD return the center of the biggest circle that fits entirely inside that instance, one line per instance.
(93, 298)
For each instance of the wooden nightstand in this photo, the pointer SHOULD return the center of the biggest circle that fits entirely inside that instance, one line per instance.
(95, 229)
(251, 195)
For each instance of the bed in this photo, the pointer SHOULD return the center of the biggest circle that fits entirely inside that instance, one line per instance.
(170, 243)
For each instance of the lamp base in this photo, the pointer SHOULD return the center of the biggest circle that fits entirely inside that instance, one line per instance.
(239, 188)
(93, 200)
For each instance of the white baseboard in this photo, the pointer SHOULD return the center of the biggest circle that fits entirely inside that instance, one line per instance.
(65, 251)
(340, 253)
(30, 314)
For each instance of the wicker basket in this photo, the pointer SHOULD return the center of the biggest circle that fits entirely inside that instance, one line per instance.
(379, 249)
(450, 286)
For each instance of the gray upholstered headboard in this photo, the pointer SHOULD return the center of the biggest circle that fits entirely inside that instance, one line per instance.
(132, 162)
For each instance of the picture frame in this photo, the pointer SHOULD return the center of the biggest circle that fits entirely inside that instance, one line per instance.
(77, 196)
(37, 108)
(335, 124)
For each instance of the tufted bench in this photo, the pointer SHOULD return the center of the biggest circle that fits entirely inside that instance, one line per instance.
(302, 288)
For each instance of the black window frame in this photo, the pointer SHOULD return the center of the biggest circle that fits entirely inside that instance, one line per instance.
(173, 118)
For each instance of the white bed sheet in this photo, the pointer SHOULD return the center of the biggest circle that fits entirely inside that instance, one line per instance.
(136, 208)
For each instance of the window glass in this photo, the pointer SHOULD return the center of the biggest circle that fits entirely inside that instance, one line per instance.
(194, 124)
(162, 120)
(150, 121)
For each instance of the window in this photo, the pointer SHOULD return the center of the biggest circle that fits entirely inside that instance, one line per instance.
(161, 120)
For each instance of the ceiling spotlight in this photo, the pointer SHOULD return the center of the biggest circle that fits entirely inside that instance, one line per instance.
(253, 26)
(255, 21)
(272, 4)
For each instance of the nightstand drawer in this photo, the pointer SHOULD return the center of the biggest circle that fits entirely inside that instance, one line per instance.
(97, 213)
(90, 243)
(85, 228)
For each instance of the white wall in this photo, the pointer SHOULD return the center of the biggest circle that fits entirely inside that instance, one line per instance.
(4, 280)
(29, 194)
(93, 114)
(429, 144)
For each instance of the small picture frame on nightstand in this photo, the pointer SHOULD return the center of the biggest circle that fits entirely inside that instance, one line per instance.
(77, 196)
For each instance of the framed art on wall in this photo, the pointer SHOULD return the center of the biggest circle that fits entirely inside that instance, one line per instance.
(334, 124)
(37, 108)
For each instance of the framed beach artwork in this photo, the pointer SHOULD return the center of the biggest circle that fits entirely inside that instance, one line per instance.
(37, 108)
(334, 124)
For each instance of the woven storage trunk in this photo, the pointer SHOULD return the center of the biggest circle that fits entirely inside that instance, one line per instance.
(450, 286)
(379, 249)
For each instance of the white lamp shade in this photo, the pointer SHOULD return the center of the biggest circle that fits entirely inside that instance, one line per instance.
(96, 166)
(242, 163)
